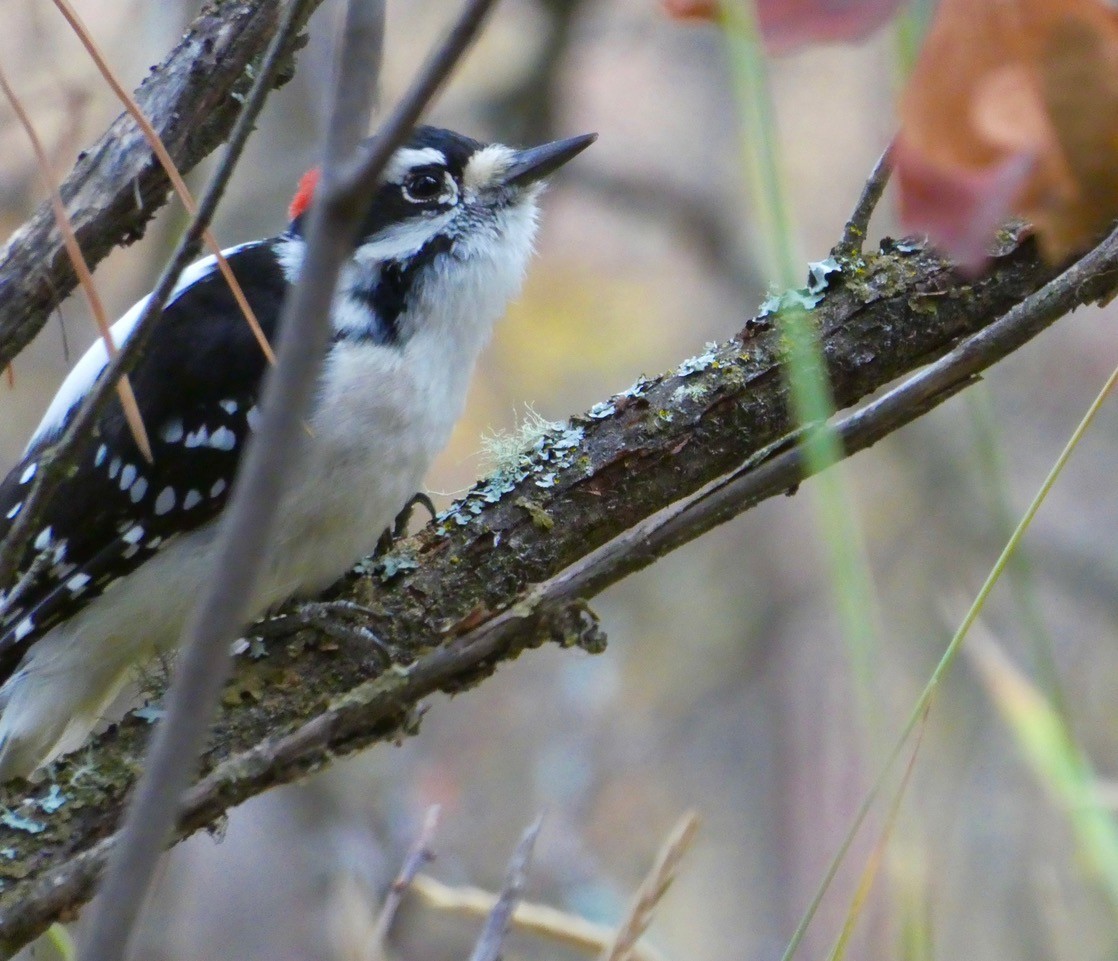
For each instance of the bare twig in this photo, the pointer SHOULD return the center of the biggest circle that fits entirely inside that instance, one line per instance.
(541, 920)
(193, 98)
(854, 234)
(54, 461)
(653, 889)
(252, 514)
(419, 855)
(81, 268)
(168, 165)
(355, 184)
(492, 937)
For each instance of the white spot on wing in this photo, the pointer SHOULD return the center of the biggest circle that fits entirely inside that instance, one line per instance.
(28, 473)
(24, 627)
(197, 438)
(223, 439)
(192, 499)
(138, 489)
(134, 534)
(99, 457)
(253, 419)
(165, 502)
(42, 542)
(15, 510)
(93, 361)
(229, 406)
(77, 583)
(114, 467)
(127, 476)
(218, 489)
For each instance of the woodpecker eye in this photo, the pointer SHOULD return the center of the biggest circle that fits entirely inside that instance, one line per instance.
(423, 187)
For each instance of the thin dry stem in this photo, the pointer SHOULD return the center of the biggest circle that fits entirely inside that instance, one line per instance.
(164, 157)
(492, 937)
(81, 268)
(854, 234)
(418, 855)
(653, 889)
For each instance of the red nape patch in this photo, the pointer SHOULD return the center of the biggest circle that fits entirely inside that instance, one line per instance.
(302, 199)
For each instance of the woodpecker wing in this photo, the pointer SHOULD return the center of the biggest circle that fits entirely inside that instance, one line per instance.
(197, 388)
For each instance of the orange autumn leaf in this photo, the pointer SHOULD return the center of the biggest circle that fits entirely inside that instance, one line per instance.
(1012, 109)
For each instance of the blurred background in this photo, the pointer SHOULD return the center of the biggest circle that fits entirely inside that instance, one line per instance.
(727, 685)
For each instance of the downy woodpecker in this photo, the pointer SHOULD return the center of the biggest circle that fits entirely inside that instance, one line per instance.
(125, 545)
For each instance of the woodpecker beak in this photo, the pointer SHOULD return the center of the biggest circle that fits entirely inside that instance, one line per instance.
(534, 164)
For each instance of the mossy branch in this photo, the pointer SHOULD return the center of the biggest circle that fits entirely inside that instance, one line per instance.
(490, 580)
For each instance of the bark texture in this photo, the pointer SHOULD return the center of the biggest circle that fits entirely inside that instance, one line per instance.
(487, 581)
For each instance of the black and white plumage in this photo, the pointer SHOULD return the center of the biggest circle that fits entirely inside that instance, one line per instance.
(125, 544)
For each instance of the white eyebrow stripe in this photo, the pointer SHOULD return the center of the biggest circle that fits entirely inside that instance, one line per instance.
(408, 158)
(486, 166)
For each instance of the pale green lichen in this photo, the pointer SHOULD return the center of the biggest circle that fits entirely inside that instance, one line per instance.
(703, 361)
(552, 447)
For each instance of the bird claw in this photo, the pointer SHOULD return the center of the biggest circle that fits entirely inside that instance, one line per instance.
(342, 621)
(400, 526)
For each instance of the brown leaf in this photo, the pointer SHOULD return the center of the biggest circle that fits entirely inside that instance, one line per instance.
(1012, 109)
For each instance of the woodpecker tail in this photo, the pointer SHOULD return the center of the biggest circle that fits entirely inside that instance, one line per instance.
(50, 708)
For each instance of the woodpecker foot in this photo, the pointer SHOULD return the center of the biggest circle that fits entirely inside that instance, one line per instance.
(345, 622)
(400, 526)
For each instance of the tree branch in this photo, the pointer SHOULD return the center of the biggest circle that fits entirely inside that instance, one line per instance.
(192, 98)
(507, 567)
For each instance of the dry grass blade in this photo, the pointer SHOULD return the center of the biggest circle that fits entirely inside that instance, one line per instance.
(492, 937)
(81, 268)
(541, 920)
(654, 887)
(160, 151)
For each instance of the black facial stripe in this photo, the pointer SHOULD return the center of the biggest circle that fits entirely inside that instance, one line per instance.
(388, 296)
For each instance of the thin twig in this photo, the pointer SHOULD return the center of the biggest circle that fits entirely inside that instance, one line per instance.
(193, 97)
(356, 183)
(253, 511)
(54, 461)
(492, 937)
(854, 234)
(81, 268)
(653, 889)
(168, 164)
(419, 855)
(540, 920)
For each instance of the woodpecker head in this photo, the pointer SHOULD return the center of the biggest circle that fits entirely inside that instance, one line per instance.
(452, 222)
